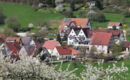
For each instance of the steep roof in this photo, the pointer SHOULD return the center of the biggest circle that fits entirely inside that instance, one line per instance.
(65, 50)
(51, 44)
(14, 47)
(15, 39)
(82, 22)
(101, 38)
(26, 40)
(114, 32)
(114, 24)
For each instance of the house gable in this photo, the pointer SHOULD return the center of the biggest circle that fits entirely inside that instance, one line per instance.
(23, 52)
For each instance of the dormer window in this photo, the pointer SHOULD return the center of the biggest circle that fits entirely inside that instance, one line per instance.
(65, 27)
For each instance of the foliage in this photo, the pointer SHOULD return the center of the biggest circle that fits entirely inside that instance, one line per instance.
(82, 14)
(100, 73)
(83, 52)
(96, 16)
(112, 9)
(13, 23)
(41, 32)
(2, 17)
(68, 13)
(126, 13)
(128, 32)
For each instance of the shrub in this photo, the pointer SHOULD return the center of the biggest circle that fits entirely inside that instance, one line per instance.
(82, 14)
(68, 13)
(126, 13)
(13, 23)
(2, 17)
(96, 16)
(112, 9)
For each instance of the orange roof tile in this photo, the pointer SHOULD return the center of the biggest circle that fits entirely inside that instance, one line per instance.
(101, 38)
(82, 22)
(51, 44)
(114, 24)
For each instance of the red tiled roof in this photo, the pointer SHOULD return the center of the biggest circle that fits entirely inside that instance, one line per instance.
(2, 35)
(51, 44)
(16, 39)
(100, 38)
(82, 22)
(74, 52)
(65, 50)
(114, 32)
(14, 47)
(114, 24)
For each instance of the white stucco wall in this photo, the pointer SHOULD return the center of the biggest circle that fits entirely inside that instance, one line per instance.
(100, 48)
(111, 27)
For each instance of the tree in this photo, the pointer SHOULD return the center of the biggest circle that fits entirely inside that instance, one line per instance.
(82, 14)
(99, 4)
(13, 23)
(101, 73)
(28, 67)
(116, 50)
(83, 51)
(2, 17)
(126, 13)
(96, 16)
(68, 13)
(59, 39)
(42, 32)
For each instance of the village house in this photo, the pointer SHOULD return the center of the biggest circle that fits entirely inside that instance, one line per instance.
(29, 51)
(78, 37)
(117, 34)
(50, 45)
(64, 53)
(82, 36)
(11, 49)
(101, 41)
(31, 47)
(68, 23)
(114, 25)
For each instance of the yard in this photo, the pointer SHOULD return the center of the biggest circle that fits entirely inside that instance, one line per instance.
(27, 15)
(81, 67)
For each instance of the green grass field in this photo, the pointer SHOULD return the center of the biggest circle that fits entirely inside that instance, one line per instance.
(27, 14)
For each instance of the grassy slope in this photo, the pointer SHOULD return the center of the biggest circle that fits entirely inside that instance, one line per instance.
(81, 68)
(27, 15)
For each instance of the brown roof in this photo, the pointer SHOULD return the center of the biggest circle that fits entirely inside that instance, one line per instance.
(114, 24)
(82, 22)
(100, 38)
